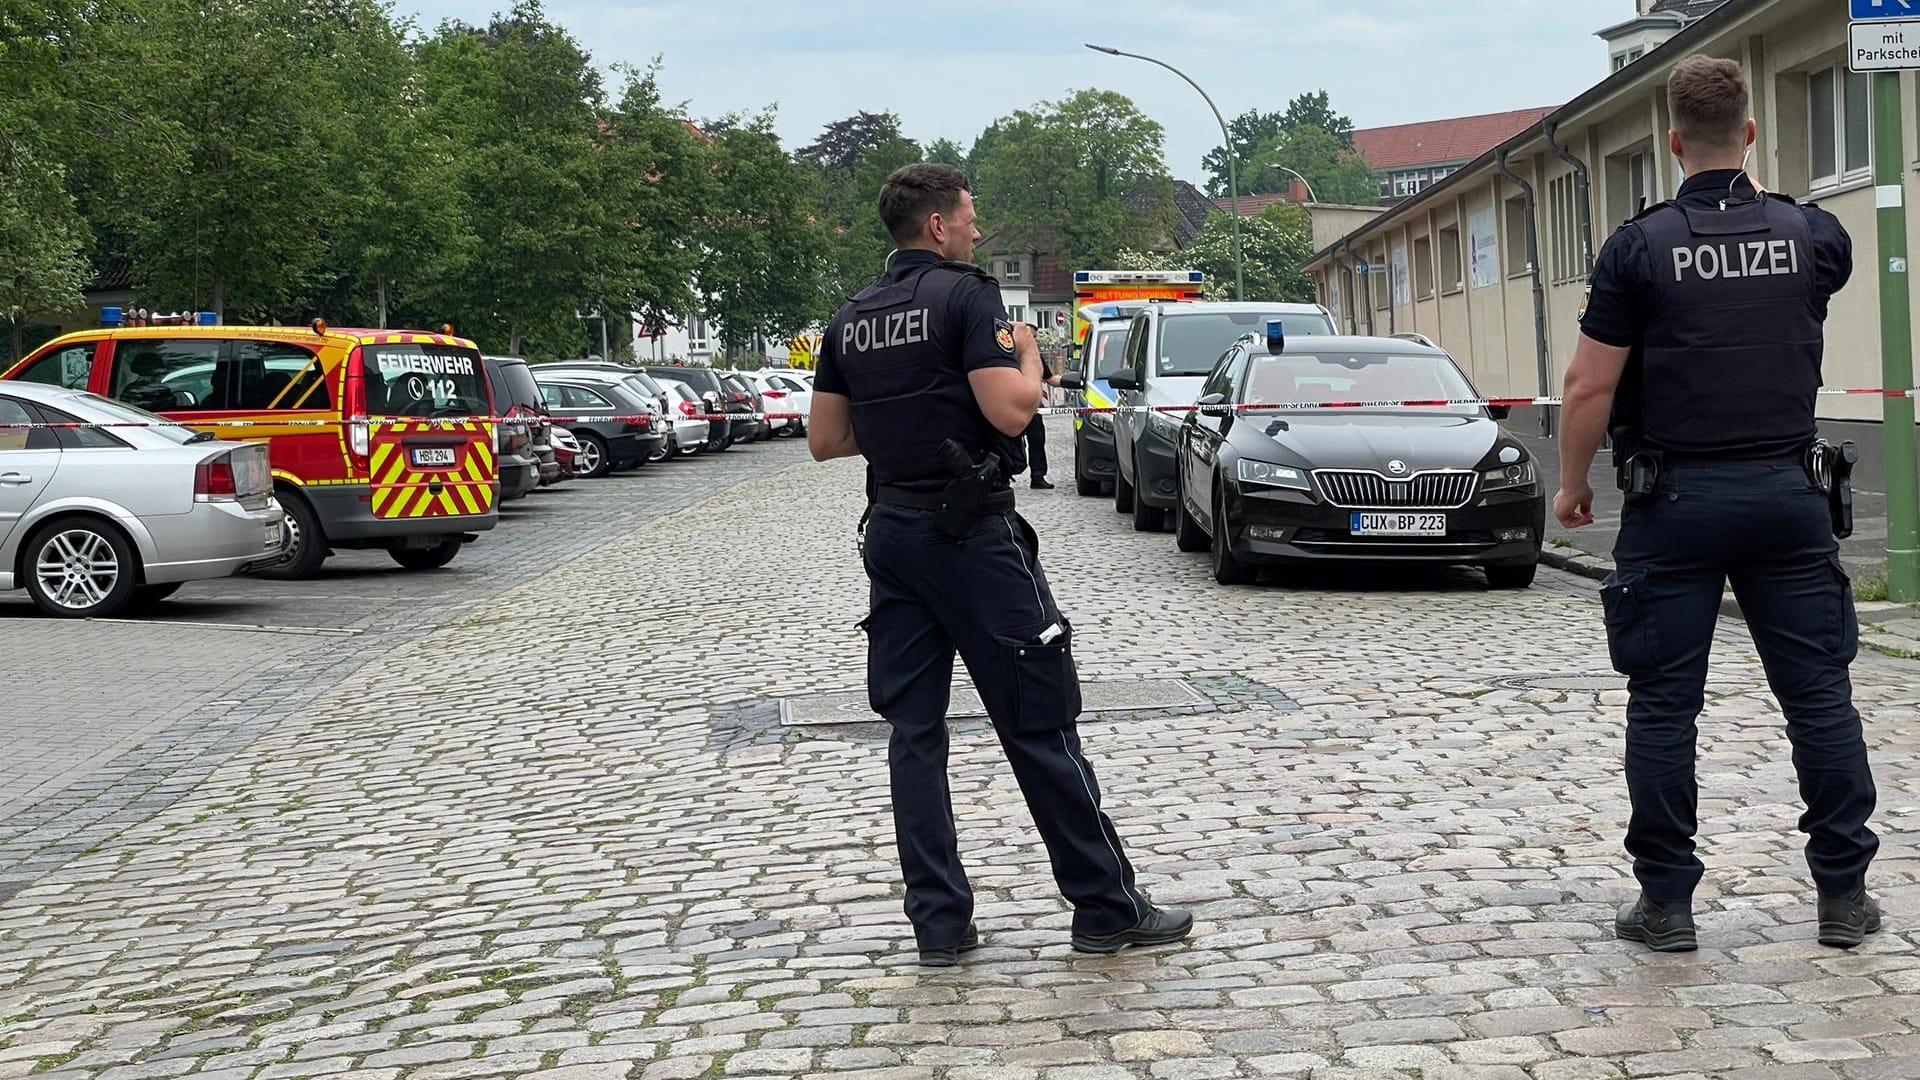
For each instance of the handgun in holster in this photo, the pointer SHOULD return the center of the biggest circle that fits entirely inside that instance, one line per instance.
(1831, 469)
(1636, 469)
(964, 500)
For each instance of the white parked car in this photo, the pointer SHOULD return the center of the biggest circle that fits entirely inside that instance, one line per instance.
(784, 391)
(688, 434)
(96, 520)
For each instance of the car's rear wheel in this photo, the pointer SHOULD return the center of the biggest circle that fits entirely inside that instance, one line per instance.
(80, 568)
(1511, 577)
(1122, 492)
(1227, 570)
(303, 544)
(592, 460)
(1187, 534)
(430, 558)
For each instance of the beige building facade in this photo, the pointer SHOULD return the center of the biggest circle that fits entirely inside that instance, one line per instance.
(1492, 262)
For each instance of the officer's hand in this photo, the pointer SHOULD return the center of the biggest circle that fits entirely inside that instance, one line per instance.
(1023, 338)
(1573, 507)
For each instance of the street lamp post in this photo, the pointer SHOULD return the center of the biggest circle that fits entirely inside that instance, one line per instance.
(1311, 197)
(1226, 142)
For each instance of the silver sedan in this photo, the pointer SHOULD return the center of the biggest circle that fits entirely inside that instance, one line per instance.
(97, 520)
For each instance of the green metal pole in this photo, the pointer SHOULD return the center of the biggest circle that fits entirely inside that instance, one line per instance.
(1896, 346)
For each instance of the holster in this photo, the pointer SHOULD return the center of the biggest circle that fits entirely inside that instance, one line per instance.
(1636, 469)
(1830, 468)
(974, 492)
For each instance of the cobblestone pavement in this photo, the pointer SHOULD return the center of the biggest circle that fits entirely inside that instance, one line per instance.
(1393, 803)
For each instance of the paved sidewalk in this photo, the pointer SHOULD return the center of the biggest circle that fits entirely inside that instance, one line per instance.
(1393, 802)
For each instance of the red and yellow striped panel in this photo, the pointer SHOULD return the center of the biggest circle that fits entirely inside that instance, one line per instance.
(402, 490)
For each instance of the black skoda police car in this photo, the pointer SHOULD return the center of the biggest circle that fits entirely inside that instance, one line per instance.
(1439, 483)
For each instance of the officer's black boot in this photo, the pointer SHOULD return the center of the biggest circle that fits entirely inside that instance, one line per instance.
(1040, 484)
(1660, 927)
(1846, 920)
(950, 955)
(1162, 926)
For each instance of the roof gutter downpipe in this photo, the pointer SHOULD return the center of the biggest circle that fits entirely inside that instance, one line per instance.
(1539, 290)
(1583, 192)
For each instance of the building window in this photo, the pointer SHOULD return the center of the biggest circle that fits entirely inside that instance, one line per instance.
(1563, 218)
(1517, 263)
(1452, 274)
(697, 337)
(1839, 126)
(1639, 182)
(1621, 60)
(1377, 281)
(1423, 268)
(1013, 270)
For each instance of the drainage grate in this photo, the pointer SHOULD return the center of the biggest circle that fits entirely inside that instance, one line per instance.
(1096, 695)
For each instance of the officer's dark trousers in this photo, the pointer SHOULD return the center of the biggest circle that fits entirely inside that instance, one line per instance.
(1766, 528)
(1037, 447)
(985, 596)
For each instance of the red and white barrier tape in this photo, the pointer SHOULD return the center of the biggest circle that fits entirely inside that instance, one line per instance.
(451, 422)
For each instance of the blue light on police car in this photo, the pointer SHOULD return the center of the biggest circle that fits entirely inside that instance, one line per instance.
(206, 318)
(1082, 275)
(1196, 276)
(1276, 336)
(112, 316)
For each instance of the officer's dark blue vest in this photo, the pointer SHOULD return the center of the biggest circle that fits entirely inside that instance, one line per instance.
(1729, 364)
(899, 349)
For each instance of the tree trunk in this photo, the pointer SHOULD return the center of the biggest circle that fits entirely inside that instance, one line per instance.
(220, 298)
(19, 341)
(380, 292)
(513, 338)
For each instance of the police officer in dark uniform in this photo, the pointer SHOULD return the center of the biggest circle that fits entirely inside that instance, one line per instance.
(924, 376)
(1700, 351)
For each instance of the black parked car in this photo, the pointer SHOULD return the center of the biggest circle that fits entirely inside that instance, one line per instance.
(1438, 484)
(629, 436)
(515, 396)
(744, 397)
(714, 395)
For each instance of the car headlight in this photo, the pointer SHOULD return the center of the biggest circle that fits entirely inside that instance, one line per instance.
(1103, 421)
(1267, 474)
(1508, 477)
(1167, 423)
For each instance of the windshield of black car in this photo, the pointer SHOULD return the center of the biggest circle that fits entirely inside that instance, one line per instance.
(652, 387)
(424, 380)
(1109, 351)
(1190, 343)
(1319, 378)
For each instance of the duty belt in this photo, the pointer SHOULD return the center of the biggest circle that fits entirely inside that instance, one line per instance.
(1779, 457)
(884, 494)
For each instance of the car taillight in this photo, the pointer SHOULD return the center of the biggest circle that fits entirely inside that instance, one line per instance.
(359, 435)
(213, 479)
(774, 394)
(688, 408)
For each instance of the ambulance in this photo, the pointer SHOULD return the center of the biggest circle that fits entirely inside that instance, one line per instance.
(372, 435)
(1104, 303)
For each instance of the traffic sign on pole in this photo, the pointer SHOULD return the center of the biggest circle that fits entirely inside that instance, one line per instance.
(1885, 9)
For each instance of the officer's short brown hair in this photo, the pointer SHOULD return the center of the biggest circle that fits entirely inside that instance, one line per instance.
(1707, 98)
(915, 192)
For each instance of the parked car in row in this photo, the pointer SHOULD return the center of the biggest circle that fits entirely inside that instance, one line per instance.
(690, 427)
(785, 392)
(632, 428)
(99, 520)
(714, 397)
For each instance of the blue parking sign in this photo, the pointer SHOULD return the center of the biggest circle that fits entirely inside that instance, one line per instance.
(1885, 9)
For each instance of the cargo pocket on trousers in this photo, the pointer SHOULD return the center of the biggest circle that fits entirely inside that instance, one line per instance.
(1845, 622)
(880, 687)
(1629, 635)
(1045, 690)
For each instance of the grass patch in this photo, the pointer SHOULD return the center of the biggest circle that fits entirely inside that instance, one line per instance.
(1871, 589)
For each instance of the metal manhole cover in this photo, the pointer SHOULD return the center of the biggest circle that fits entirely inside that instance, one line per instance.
(1096, 695)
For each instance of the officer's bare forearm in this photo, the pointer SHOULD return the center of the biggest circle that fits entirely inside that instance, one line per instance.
(829, 449)
(1583, 423)
(1592, 377)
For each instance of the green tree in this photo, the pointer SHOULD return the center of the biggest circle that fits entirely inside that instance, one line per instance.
(844, 144)
(657, 176)
(1254, 134)
(764, 254)
(1335, 173)
(522, 100)
(948, 152)
(1274, 245)
(1085, 176)
(401, 220)
(43, 265)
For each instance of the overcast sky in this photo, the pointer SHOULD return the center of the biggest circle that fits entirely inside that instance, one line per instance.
(949, 69)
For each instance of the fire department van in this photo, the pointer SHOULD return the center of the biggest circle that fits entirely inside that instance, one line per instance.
(356, 422)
